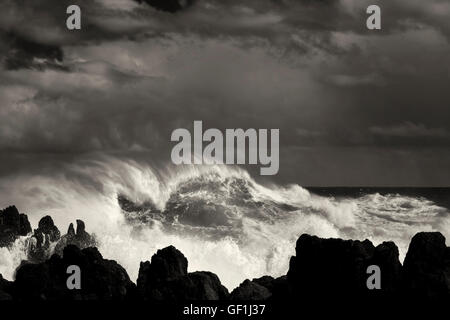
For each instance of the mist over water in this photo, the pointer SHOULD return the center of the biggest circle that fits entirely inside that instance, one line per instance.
(218, 216)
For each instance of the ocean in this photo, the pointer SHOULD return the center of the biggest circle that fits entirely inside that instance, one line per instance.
(219, 217)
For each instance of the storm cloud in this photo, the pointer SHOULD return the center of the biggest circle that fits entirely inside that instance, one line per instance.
(354, 107)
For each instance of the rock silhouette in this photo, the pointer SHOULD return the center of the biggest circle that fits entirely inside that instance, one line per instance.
(325, 270)
(39, 244)
(5, 289)
(165, 278)
(426, 269)
(12, 225)
(101, 279)
(250, 290)
(43, 236)
(80, 238)
(329, 268)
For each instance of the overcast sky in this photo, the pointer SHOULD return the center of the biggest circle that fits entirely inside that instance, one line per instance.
(354, 106)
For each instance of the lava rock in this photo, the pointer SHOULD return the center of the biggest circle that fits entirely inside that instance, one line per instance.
(12, 225)
(39, 244)
(80, 238)
(5, 289)
(264, 288)
(386, 256)
(47, 226)
(334, 264)
(337, 269)
(427, 267)
(166, 278)
(250, 290)
(101, 279)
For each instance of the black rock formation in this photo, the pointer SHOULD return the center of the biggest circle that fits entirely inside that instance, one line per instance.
(80, 238)
(264, 288)
(43, 236)
(330, 268)
(250, 290)
(426, 269)
(165, 278)
(12, 225)
(101, 279)
(323, 270)
(5, 289)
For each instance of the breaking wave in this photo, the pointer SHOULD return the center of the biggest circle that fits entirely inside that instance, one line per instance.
(218, 216)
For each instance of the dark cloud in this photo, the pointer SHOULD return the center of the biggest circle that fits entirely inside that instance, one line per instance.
(344, 98)
(23, 53)
(171, 6)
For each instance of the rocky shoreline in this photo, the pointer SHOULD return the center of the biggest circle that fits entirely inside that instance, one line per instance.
(321, 270)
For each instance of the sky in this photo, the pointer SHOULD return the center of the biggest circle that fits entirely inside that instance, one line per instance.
(355, 107)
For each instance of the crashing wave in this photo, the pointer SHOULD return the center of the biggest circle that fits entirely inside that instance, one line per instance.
(219, 216)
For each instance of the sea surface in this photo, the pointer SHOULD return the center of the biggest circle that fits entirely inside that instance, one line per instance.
(219, 217)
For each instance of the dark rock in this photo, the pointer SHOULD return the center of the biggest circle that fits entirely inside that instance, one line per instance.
(47, 226)
(329, 266)
(265, 281)
(71, 231)
(166, 278)
(100, 278)
(12, 225)
(80, 238)
(264, 288)
(169, 263)
(280, 289)
(386, 256)
(250, 290)
(199, 285)
(39, 244)
(5, 289)
(427, 266)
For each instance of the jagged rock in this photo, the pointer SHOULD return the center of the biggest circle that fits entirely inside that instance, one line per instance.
(5, 289)
(168, 263)
(265, 281)
(71, 231)
(427, 267)
(263, 288)
(200, 285)
(47, 226)
(250, 290)
(386, 256)
(40, 242)
(322, 270)
(80, 238)
(166, 278)
(329, 268)
(100, 278)
(12, 225)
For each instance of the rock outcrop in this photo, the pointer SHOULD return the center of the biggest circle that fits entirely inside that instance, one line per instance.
(329, 267)
(79, 238)
(264, 288)
(165, 278)
(5, 289)
(12, 225)
(250, 290)
(39, 244)
(426, 269)
(335, 269)
(101, 279)
(46, 240)
(322, 270)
